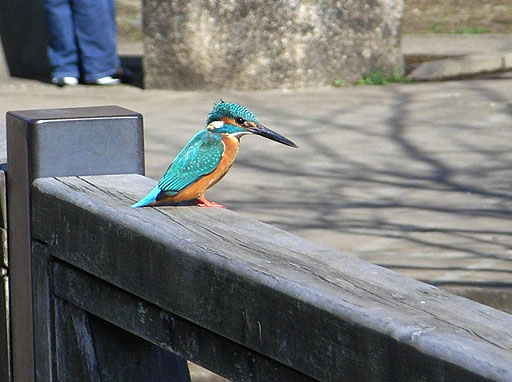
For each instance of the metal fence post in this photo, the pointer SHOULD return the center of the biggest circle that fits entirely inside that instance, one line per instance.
(55, 142)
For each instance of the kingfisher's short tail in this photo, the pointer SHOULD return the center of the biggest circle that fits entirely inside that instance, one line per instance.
(148, 199)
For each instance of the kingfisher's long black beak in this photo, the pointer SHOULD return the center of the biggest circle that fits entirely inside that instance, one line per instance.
(267, 133)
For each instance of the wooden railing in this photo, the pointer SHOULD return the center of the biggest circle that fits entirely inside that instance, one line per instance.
(116, 293)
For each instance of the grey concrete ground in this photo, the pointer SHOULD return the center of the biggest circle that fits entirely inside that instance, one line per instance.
(416, 177)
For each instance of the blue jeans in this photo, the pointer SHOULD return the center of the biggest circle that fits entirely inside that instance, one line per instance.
(82, 38)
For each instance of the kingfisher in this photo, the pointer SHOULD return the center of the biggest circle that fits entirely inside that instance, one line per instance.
(207, 157)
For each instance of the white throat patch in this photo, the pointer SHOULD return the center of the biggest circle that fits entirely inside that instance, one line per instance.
(240, 134)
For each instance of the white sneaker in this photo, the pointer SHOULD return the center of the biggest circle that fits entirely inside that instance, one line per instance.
(106, 81)
(61, 81)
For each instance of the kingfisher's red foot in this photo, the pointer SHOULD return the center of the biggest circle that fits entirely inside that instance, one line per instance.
(202, 202)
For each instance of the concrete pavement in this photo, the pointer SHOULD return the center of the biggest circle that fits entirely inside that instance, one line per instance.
(416, 177)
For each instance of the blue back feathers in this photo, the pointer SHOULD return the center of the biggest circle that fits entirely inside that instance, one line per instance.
(199, 157)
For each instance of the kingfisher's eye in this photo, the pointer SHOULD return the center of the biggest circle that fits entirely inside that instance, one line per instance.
(240, 120)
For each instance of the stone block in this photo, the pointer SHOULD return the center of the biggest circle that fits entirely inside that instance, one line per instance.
(507, 61)
(458, 67)
(261, 44)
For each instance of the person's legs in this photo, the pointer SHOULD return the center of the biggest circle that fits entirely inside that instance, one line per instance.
(62, 49)
(96, 37)
(112, 15)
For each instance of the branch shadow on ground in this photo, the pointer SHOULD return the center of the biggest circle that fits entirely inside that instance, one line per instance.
(409, 180)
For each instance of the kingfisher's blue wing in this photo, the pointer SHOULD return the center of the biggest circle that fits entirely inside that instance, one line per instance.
(198, 158)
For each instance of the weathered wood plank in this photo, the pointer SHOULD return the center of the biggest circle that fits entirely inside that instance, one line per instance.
(43, 304)
(167, 330)
(3, 197)
(328, 315)
(90, 349)
(5, 347)
(74, 351)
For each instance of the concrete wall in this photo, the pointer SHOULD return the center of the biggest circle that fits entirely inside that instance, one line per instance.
(260, 44)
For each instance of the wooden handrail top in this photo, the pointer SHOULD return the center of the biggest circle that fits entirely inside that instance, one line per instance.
(327, 314)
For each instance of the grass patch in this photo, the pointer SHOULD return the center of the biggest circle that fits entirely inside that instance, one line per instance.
(377, 77)
(457, 16)
(440, 28)
(339, 83)
(472, 30)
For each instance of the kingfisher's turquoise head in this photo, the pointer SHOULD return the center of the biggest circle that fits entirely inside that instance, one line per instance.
(235, 120)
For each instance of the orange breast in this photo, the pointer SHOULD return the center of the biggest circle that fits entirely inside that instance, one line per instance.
(197, 189)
